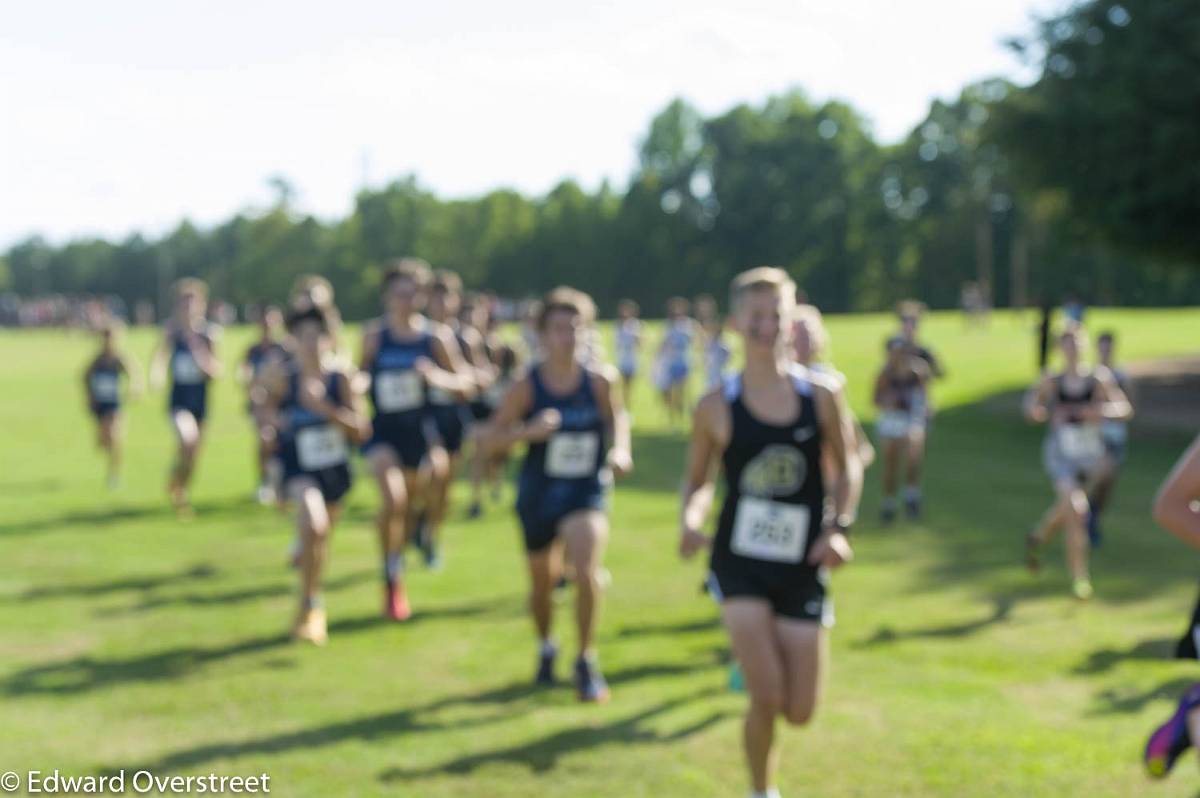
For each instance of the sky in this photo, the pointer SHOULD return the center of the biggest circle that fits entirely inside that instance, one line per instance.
(129, 116)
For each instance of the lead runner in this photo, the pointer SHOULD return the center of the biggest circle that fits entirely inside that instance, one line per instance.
(777, 539)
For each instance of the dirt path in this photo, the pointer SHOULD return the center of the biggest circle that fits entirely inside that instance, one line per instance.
(1166, 393)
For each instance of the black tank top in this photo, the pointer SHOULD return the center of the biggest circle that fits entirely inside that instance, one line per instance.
(775, 495)
(1074, 402)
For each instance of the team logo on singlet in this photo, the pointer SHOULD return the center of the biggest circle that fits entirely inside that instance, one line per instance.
(778, 470)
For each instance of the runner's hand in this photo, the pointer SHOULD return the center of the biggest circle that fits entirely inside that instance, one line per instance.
(691, 541)
(831, 550)
(621, 462)
(543, 425)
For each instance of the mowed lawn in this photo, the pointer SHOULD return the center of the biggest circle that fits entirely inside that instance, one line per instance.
(130, 640)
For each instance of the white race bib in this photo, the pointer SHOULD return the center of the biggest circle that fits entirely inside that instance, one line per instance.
(767, 530)
(104, 387)
(571, 455)
(320, 447)
(1080, 442)
(186, 370)
(893, 424)
(397, 391)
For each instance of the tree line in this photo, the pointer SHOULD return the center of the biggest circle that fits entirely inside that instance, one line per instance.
(1085, 182)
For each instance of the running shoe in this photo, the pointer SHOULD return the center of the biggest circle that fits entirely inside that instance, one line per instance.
(395, 604)
(311, 627)
(589, 684)
(475, 511)
(545, 671)
(912, 509)
(1082, 588)
(1171, 739)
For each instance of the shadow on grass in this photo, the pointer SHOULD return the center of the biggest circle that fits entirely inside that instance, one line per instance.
(199, 572)
(85, 673)
(671, 629)
(228, 597)
(27, 488)
(1000, 612)
(1105, 659)
(93, 519)
(542, 755)
(416, 720)
(1132, 701)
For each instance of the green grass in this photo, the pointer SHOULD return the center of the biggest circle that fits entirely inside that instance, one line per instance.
(130, 640)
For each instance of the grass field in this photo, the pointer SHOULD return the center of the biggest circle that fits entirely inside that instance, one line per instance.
(130, 640)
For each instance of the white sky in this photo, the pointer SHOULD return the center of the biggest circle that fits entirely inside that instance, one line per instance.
(130, 115)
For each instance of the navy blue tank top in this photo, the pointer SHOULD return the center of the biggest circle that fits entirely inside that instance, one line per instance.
(104, 382)
(579, 448)
(398, 391)
(189, 384)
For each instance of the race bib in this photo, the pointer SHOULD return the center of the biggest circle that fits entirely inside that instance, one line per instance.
(397, 391)
(571, 455)
(894, 424)
(186, 370)
(772, 531)
(439, 397)
(1080, 442)
(104, 388)
(320, 447)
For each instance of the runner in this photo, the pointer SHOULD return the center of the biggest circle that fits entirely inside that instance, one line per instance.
(102, 384)
(318, 414)
(778, 536)
(188, 348)
(899, 392)
(910, 312)
(405, 354)
(269, 346)
(486, 465)
(1074, 402)
(451, 414)
(1116, 439)
(673, 363)
(572, 420)
(629, 345)
(1176, 510)
(716, 350)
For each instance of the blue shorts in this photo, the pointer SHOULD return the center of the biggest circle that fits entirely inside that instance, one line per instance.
(542, 504)
(104, 410)
(409, 440)
(677, 372)
(451, 426)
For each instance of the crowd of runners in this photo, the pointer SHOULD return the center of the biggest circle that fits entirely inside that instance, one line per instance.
(436, 391)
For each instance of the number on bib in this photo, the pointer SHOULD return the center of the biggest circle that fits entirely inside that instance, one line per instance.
(1081, 442)
(104, 387)
(187, 371)
(320, 447)
(767, 530)
(571, 455)
(397, 391)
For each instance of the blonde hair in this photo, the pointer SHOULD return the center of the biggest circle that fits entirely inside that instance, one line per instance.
(762, 278)
(569, 299)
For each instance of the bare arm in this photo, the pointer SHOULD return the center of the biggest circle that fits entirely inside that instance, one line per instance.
(1175, 508)
(608, 391)
(1036, 404)
(1115, 404)
(711, 428)
(133, 373)
(506, 427)
(449, 372)
(833, 548)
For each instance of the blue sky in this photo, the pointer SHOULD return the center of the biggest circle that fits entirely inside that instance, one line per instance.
(125, 116)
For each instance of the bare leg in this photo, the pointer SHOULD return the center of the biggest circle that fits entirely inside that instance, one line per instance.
(545, 566)
(751, 627)
(585, 535)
